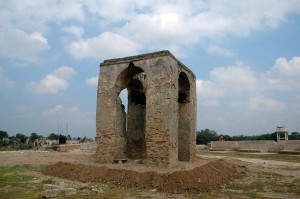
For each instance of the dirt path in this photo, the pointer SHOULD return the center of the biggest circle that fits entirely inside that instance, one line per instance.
(10, 158)
(258, 162)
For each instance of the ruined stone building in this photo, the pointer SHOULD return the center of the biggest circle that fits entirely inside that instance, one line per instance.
(160, 124)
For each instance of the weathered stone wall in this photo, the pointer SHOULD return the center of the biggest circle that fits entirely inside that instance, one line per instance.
(162, 113)
(110, 138)
(187, 116)
(136, 143)
(158, 121)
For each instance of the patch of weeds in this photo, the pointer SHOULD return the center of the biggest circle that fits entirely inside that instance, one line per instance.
(48, 181)
(105, 190)
(255, 182)
(292, 187)
(16, 183)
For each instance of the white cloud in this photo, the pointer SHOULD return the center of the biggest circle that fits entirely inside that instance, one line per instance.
(129, 26)
(286, 68)
(35, 15)
(263, 104)
(17, 44)
(74, 30)
(37, 36)
(93, 81)
(208, 89)
(284, 75)
(106, 45)
(59, 109)
(114, 10)
(214, 49)
(226, 82)
(234, 78)
(53, 82)
(4, 81)
(247, 88)
(173, 25)
(64, 72)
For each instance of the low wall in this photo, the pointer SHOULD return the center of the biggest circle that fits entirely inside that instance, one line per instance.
(226, 145)
(88, 146)
(257, 145)
(201, 147)
(261, 145)
(66, 147)
(291, 145)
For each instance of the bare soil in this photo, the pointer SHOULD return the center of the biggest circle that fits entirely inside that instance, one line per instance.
(204, 178)
(203, 175)
(212, 175)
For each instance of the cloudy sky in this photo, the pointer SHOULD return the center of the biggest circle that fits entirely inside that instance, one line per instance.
(245, 55)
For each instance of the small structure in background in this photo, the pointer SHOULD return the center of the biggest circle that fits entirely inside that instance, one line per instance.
(282, 133)
(221, 138)
(62, 139)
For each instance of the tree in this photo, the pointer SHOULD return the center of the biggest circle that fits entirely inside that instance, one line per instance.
(53, 136)
(3, 134)
(294, 136)
(69, 137)
(34, 136)
(21, 137)
(206, 136)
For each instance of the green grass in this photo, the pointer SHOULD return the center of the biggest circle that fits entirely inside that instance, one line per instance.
(3, 148)
(25, 181)
(18, 182)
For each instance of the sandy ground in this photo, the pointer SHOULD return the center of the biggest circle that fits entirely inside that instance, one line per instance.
(10, 158)
(86, 157)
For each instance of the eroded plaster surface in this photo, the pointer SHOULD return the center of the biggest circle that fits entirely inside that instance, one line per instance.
(159, 125)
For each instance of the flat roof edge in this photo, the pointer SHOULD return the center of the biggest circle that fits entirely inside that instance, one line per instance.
(142, 57)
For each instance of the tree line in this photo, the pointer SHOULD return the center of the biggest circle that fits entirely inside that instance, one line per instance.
(205, 136)
(22, 141)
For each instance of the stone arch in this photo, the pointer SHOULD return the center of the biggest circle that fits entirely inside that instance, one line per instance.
(126, 76)
(133, 124)
(184, 131)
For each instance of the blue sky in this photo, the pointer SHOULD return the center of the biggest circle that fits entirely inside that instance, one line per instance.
(245, 55)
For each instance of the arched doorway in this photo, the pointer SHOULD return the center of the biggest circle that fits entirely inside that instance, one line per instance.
(132, 124)
(183, 118)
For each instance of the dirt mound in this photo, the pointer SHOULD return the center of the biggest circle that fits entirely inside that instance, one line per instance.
(200, 179)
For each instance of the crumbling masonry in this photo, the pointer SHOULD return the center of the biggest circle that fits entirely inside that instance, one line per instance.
(159, 127)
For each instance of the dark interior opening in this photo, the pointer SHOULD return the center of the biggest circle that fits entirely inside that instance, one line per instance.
(136, 92)
(184, 88)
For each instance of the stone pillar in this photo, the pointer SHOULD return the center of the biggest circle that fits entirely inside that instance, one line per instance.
(110, 123)
(136, 144)
(161, 115)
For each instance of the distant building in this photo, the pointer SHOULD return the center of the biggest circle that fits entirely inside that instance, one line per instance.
(282, 133)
